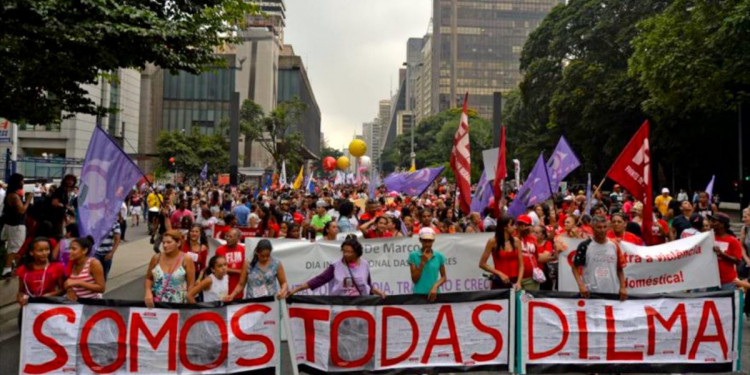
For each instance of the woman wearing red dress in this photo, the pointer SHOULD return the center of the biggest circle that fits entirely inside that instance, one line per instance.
(506, 257)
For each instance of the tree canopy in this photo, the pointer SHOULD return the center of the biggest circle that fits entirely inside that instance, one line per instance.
(192, 151)
(52, 47)
(277, 131)
(594, 70)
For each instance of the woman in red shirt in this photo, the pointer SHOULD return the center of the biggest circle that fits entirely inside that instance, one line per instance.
(381, 228)
(619, 221)
(506, 257)
(38, 276)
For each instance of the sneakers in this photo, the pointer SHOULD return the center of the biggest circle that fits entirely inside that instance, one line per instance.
(7, 272)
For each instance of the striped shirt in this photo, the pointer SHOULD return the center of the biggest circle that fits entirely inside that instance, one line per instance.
(106, 244)
(85, 276)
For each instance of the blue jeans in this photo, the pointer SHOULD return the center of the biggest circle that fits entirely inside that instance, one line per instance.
(106, 263)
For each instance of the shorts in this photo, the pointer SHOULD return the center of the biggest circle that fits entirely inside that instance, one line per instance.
(15, 235)
(135, 210)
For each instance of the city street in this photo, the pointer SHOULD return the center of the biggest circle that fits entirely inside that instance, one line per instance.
(132, 289)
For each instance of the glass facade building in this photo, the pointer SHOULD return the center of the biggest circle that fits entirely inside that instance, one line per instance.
(476, 48)
(197, 101)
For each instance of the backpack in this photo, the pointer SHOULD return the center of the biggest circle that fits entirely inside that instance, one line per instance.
(580, 258)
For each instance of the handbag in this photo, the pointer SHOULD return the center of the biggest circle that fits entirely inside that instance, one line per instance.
(536, 273)
(352, 276)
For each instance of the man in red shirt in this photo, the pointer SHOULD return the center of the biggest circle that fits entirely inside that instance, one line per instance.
(235, 255)
(727, 249)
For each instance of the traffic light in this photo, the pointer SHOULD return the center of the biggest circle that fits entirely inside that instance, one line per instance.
(747, 178)
(736, 185)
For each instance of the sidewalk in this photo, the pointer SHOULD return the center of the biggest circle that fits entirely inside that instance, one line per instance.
(129, 263)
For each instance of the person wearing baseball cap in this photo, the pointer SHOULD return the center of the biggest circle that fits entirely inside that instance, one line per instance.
(427, 266)
(530, 253)
(662, 202)
(727, 248)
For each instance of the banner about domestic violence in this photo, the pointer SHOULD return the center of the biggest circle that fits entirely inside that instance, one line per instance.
(125, 337)
(677, 266)
(561, 333)
(458, 332)
(388, 261)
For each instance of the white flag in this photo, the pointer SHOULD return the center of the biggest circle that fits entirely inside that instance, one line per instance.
(282, 178)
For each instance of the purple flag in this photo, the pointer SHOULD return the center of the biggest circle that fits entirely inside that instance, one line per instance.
(107, 176)
(562, 161)
(535, 190)
(710, 189)
(482, 195)
(414, 183)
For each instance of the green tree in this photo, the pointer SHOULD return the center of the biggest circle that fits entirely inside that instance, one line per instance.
(576, 82)
(694, 57)
(276, 132)
(192, 151)
(52, 47)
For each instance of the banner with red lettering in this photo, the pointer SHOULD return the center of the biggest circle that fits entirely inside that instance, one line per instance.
(676, 266)
(119, 337)
(458, 332)
(560, 332)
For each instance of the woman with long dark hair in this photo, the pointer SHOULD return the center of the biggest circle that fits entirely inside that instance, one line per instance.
(196, 247)
(38, 275)
(85, 273)
(263, 276)
(507, 258)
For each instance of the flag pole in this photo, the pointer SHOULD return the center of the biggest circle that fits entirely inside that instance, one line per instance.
(592, 197)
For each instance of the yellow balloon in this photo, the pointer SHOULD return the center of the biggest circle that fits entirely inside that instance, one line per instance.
(342, 162)
(357, 148)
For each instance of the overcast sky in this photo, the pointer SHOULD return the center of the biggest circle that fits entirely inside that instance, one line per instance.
(352, 50)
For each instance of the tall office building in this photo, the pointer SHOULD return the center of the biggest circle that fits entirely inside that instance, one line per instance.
(413, 68)
(475, 48)
(57, 144)
(294, 83)
(254, 69)
(423, 85)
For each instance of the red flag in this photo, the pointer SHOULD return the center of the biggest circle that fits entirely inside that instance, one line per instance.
(461, 160)
(500, 170)
(632, 170)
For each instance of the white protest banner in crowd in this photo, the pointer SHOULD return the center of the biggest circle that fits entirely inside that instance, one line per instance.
(126, 337)
(461, 331)
(387, 258)
(673, 334)
(676, 266)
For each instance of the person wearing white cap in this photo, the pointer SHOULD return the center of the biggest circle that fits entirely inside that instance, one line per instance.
(662, 202)
(427, 266)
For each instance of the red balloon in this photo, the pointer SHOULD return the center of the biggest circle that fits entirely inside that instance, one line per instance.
(329, 163)
(171, 160)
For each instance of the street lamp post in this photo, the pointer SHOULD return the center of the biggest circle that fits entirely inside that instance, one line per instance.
(412, 155)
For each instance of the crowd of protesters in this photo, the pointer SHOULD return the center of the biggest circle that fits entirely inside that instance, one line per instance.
(49, 258)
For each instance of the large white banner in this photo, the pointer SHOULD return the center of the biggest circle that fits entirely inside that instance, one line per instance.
(119, 337)
(683, 334)
(683, 265)
(465, 330)
(388, 260)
